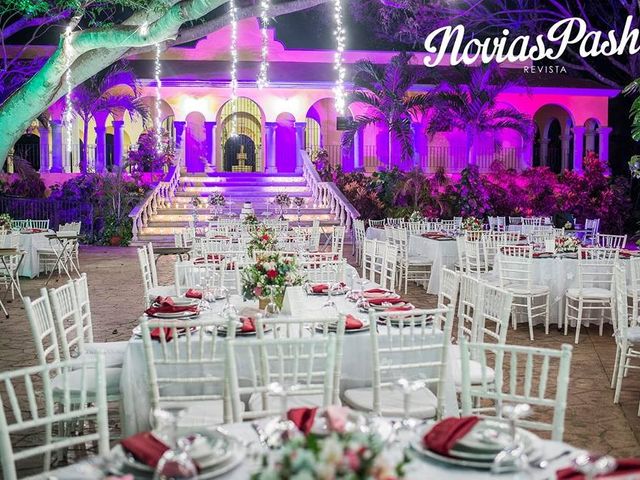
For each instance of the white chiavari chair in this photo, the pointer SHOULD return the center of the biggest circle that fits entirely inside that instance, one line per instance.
(474, 258)
(528, 379)
(314, 237)
(594, 292)
(395, 222)
(409, 347)
(11, 240)
(39, 224)
(415, 268)
(515, 274)
(186, 367)
(282, 373)
(634, 290)
(490, 242)
(377, 223)
(449, 287)
(498, 224)
(84, 401)
(323, 271)
(457, 222)
(389, 268)
(75, 330)
(467, 305)
(309, 327)
(592, 228)
(45, 338)
(151, 289)
(627, 335)
(337, 240)
(515, 220)
(369, 250)
(359, 234)
(449, 225)
(611, 241)
(461, 263)
(198, 276)
(19, 224)
(74, 227)
(415, 228)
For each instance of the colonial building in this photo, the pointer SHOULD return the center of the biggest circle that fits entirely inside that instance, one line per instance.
(296, 111)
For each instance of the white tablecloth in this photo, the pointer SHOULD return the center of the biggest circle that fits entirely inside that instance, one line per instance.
(30, 243)
(443, 253)
(356, 366)
(419, 469)
(375, 233)
(559, 274)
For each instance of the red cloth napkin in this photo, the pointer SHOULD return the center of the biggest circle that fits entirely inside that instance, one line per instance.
(626, 466)
(145, 448)
(165, 301)
(192, 293)
(303, 418)
(377, 290)
(248, 324)
(380, 301)
(446, 433)
(211, 258)
(352, 323)
(171, 308)
(403, 308)
(319, 288)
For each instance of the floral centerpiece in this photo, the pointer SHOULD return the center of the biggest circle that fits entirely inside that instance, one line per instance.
(195, 201)
(472, 224)
(298, 202)
(338, 456)
(250, 219)
(567, 244)
(271, 274)
(282, 200)
(217, 200)
(5, 221)
(262, 239)
(416, 216)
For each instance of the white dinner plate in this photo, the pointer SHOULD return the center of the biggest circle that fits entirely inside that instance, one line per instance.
(174, 315)
(182, 302)
(332, 328)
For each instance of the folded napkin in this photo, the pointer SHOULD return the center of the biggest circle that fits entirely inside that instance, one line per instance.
(248, 324)
(171, 308)
(446, 433)
(626, 467)
(324, 287)
(403, 308)
(156, 334)
(352, 323)
(303, 418)
(380, 301)
(164, 301)
(192, 293)
(377, 291)
(145, 447)
(336, 418)
(211, 258)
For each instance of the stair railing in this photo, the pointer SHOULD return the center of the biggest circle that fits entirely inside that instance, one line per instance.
(328, 195)
(160, 197)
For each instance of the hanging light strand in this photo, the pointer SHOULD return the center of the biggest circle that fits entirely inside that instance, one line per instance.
(158, 110)
(67, 117)
(338, 62)
(234, 67)
(263, 78)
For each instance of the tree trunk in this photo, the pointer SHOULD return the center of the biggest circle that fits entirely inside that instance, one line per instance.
(390, 147)
(471, 147)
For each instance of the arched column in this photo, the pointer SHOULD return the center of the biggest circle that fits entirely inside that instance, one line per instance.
(270, 146)
(101, 146)
(418, 136)
(178, 126)
(44, 149)
(118, 142)
(210, 133)
(300, 144)
(590, 140)
(358, 150)
(604, 133)
(58, 148)
(578, 148)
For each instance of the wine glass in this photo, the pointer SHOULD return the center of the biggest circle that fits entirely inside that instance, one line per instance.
(332, 287)
(593, 465)
(210, 282)
(408, 387)
(228, 310)
(513, 458)
(175, 463)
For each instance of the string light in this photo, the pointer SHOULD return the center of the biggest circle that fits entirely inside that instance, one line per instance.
(158, 119)
(263, 80)
(234, 67)
(338, 62)
(67, 117)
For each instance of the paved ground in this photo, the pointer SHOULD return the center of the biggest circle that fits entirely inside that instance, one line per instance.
(592, 422)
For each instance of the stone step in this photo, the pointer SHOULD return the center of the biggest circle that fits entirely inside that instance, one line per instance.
(259, 209)
(242, 175)
(212, 182)
(240, 191)
(178, 222)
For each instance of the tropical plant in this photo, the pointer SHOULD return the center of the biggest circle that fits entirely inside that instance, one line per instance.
(98, 94)
(471, 106)
(27, 181)
(383, 89)
(147, 157)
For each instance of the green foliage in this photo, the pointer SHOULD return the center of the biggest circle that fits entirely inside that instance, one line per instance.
(34, 8)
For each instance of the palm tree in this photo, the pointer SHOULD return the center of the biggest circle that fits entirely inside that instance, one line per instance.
(96, 95)
(472, 106)
(384, 90)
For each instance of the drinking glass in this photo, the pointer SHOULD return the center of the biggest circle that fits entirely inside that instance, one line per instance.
(175, 463)
(592, 465)
(513, 458)
(272, 309)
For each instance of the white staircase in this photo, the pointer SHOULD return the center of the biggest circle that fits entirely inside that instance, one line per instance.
(257, 188)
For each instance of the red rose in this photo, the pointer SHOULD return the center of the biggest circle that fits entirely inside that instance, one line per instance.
(272, 274)
(265, 237)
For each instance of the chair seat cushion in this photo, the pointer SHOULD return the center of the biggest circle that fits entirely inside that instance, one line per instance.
(113, 351)
(75, 381)
(523, 290)
(293, 401)
(423, 402)
(633, 334)
(198, 413)
(475, 369)
(593, 292)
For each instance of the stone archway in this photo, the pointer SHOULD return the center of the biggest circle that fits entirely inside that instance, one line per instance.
(249, 121)
(239, 154)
